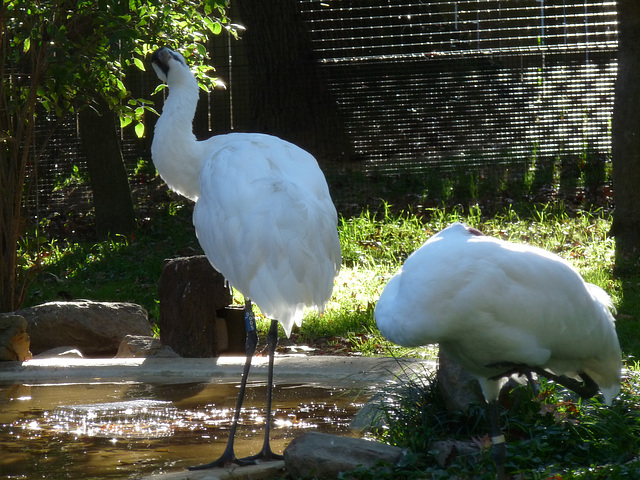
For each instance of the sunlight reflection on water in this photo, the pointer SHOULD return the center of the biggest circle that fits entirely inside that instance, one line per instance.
(127, 430)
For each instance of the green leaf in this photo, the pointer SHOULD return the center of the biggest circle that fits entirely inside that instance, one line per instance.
(120, 85)
(139, 63)
(140, 130)
(209, 23)
(27, 44)
(124, 121)
(160, 87)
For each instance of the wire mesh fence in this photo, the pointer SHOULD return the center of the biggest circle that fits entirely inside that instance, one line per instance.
(493, 89)
(446, 100)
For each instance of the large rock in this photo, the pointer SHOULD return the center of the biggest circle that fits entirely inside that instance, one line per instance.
(133, 346)
(458, 387)
(321, 455)
(14, 341)
(446, 452)
(94, 328)
(193, 296)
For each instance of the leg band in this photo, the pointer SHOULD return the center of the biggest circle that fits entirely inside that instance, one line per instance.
(498, 440)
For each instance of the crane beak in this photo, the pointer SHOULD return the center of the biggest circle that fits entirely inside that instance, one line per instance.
(159, 62)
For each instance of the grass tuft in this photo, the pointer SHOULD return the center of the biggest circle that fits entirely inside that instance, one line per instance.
(551, 435)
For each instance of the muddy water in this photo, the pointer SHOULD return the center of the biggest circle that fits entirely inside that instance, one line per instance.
(49, 432)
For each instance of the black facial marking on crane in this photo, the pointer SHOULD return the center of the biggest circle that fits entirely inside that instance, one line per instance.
(160, 58)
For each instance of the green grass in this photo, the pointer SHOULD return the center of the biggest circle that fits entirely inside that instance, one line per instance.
(123, 269)
(374, 247)
(590, 441)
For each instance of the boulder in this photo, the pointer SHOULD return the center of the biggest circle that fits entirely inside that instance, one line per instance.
(140, 346)
(446, 452)
(192, 297)
(457, 386)
(321, 455)
(371, 416)
(94, 328)
(14, 341)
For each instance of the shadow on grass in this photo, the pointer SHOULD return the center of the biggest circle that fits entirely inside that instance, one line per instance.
(628, 316)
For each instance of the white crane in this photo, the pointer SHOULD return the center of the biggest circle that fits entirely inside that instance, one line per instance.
(263, 216)
(503, 309)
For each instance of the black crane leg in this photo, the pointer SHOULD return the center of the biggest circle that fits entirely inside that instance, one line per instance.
(228, 456)
(499, 447)
(266, 454)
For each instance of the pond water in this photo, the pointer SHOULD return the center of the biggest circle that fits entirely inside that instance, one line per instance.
(126, 430)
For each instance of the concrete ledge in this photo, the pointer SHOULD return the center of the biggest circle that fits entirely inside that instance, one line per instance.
(331, 370)
(263, 471)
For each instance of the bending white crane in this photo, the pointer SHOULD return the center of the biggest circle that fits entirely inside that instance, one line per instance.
(263, 216)
(502, 309)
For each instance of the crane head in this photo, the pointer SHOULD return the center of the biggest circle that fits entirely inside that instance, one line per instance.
(169, 65)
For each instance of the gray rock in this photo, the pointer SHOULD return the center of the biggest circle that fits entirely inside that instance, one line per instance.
(372, 416)
(94, 328)
(14, 340)
(139, 346)
(321, 455)
(66, 352)
(447, 451)
(458, 387)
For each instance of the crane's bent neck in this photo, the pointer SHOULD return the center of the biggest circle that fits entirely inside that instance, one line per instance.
(174, 149)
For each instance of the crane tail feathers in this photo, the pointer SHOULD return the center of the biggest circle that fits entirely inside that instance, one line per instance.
(602, 297)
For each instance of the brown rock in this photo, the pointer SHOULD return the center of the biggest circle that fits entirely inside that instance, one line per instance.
(321, 455)
(191, 292)
(94, 328)
(14, 341)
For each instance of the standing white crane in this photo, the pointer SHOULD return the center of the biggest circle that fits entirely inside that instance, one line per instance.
(263, 216)
(503, 309)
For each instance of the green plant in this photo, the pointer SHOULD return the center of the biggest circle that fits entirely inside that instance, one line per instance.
(63, 58)
(75, 178)
(549, 435)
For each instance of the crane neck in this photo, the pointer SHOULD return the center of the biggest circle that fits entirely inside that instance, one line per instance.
(175, 149)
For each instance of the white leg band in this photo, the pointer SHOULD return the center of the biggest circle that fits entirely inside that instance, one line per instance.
(498, 440)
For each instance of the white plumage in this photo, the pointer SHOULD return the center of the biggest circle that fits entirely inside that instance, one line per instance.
(489, 302)
(499, 309)
(266, 221)
(263, 213)
(263, 216)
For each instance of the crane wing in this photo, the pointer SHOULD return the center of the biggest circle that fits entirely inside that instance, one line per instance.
(266, 221)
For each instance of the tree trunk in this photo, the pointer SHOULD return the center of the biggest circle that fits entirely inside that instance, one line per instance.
(111, 193)
(286, 94)
(16, 133)
(11, 182)
(626, 133)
